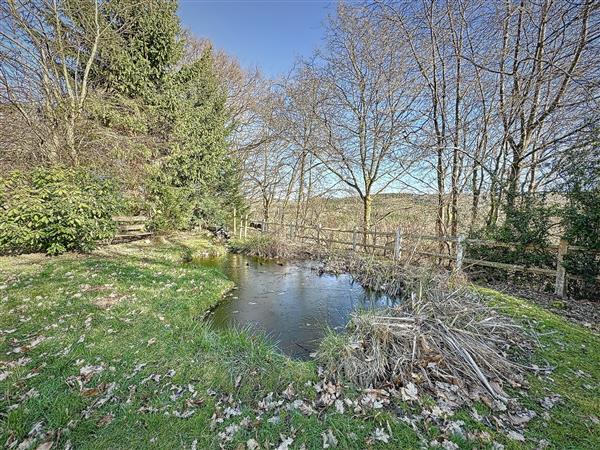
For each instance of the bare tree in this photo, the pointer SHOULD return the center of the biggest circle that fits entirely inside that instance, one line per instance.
(47, 49)
(363, 105)
(544, 56)
(506, 86)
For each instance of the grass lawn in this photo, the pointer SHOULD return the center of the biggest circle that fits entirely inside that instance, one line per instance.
(109, 350)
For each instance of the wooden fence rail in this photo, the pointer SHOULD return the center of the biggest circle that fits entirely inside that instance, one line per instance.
(131, 227)
(395, 244)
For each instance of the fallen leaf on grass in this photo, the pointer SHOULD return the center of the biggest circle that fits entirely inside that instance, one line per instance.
(289, 393)
(515, 436)
(152, 377)
(549, 402)
(521, 418)
(32, 344)
(542, 444)
(232, 411)
(229, 432)
(302, 406)
(185, 414)
(274, 420)
(89, 371)
(136, 369)
(252, 444)
(329, 440)
(106, 419)
(328, 393)
(26, 443)
(409, 392)
(285, 443)
(449, 445)
(375, 398)
(92, 392)
(101, 401)
(380, 435)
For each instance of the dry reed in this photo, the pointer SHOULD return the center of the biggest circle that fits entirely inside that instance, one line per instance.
(439, 336)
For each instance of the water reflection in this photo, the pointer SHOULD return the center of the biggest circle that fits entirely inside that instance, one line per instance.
(290, 302)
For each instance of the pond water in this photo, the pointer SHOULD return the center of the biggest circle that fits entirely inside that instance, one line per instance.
(289, 301)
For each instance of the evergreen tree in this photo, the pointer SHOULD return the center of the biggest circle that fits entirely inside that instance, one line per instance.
(177, 110)
(141, 45)
(198, 160)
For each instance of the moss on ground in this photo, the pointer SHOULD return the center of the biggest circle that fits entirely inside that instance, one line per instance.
(128, 316)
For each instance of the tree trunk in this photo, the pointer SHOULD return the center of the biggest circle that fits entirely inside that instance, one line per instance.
(367, 205)
(300, 186)
(514, 176)
(475, 201)
(266, 211)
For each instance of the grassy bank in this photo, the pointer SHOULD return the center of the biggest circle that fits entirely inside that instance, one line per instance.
(574, 352)
(108, 351)
(74, 325)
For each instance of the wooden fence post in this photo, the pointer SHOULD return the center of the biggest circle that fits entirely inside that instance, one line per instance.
(397, 245)
(459, 252)
(354, 237)
(561, 273)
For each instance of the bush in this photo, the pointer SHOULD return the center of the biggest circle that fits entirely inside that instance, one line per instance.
(56, 210)
(527, 225)
(177, 206)
(581, 216)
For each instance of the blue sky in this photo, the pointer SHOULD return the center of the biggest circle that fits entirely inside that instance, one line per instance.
(269, 34)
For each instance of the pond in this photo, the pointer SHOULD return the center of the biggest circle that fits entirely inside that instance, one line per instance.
(289, 301)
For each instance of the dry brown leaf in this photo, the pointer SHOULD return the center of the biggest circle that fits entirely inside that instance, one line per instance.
(45, 446)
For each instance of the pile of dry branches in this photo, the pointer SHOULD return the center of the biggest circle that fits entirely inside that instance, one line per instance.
(437, 337)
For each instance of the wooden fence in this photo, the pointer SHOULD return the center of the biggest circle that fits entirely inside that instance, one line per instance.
(131, 227)
(397, 245)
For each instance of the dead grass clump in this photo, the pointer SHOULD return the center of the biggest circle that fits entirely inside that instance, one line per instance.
(379, 275)
(438, 337)
(263, 246)
(108, 301)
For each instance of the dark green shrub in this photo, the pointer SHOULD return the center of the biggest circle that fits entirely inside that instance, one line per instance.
(56, 210)
(582, 228)
(176, 205)
(527, 225)
(581, 215)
